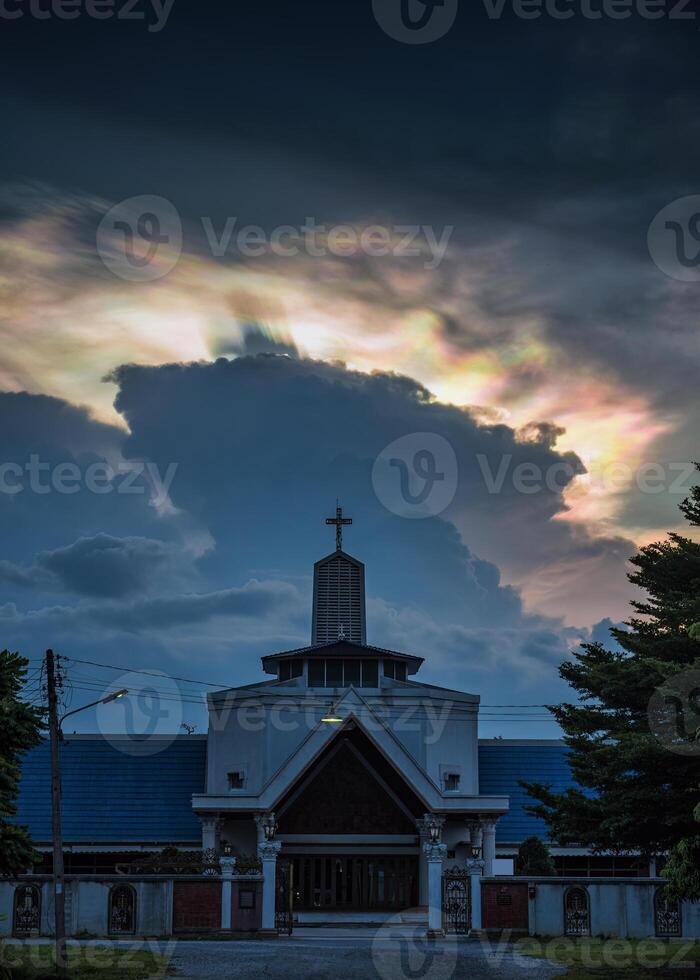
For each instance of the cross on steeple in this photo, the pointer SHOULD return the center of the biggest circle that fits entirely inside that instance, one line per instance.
(338, 520)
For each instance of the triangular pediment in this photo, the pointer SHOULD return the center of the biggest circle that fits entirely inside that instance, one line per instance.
(349, 790)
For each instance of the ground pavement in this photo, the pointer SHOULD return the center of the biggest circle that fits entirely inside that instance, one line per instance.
(398, 953)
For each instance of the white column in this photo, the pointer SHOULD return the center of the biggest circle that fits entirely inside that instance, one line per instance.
(435, 854)
(211, 827)
(268, 852)
(227, 866)
(422, 862)
(476, 869)
(488, 827)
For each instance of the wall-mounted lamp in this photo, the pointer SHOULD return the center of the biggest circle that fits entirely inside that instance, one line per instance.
(434, 827)
(227, 849)
(532, 891)
(476, 851)
(270, 827)
(332, 718)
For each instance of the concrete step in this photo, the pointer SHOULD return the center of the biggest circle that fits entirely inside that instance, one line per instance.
(417, 916)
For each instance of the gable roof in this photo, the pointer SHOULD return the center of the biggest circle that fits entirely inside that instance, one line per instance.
(110, 797)
(504, 762)
(341, 648)
(352, 706)
(113, 796)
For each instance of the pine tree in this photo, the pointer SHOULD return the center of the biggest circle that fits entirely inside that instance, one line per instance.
(534, 859)
(20, 729)
(631, 734)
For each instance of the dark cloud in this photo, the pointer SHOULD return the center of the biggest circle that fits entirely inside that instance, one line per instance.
(103, 565)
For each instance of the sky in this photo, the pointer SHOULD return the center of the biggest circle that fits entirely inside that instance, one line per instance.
(455, 263)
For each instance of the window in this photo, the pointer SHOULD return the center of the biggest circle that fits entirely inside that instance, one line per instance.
(343, 673)
(290, 668)
(451, 781)
(396, 669)
(317, 673)
(370, 673)
(236, 780)
(246, 898)
(122, 910)
(334, 673)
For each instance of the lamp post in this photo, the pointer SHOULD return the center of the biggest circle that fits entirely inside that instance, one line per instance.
(55, 736)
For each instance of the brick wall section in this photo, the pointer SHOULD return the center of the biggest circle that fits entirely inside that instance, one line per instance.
(504, 906)
(196, 906)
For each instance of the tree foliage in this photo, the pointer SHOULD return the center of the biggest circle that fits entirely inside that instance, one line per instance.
(683, 867)
(534, 859)
(637, 780)
(20, 729)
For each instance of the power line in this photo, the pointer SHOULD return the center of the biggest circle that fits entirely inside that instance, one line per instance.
(185, 680)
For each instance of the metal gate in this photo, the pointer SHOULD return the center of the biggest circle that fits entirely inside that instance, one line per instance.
(284, 898)
(456, 901)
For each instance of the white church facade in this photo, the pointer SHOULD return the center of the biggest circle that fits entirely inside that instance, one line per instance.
(346, 761)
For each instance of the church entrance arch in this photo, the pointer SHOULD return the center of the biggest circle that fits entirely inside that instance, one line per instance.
(348, 828)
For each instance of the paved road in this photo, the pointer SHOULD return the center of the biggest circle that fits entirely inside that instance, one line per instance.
(393, 952)
(309, 955)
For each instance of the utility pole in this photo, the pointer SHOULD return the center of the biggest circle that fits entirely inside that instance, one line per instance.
(59, 881)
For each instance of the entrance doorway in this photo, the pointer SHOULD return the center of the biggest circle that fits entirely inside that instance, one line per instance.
(354, 882)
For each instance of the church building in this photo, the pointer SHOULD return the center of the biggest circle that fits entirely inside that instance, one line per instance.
(342, 757)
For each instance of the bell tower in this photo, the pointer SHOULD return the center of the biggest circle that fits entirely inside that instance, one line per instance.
(339, 592)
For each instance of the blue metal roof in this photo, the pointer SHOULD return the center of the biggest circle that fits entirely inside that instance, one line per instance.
(113, 796)
(502, 764)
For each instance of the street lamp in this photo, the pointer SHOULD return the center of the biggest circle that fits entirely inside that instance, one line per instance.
(55, 735)
(84, 707)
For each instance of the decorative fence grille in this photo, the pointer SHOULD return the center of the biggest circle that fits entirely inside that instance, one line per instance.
(667, 915)
(173, 862)
(122, 910)
(27, 911)
(577, 920)
(284, 894)
(456, 901)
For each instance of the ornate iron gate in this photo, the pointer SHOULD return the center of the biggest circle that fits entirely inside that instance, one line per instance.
(667, 915)
(456, 901)
(284, 897)
(27, 911)
(577, 920)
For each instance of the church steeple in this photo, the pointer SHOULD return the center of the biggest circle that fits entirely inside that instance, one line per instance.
(339, 592)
